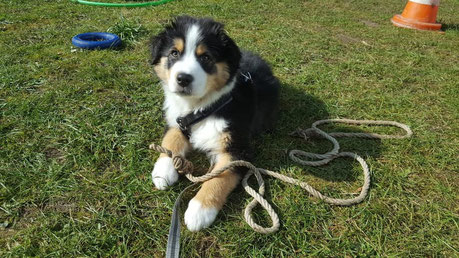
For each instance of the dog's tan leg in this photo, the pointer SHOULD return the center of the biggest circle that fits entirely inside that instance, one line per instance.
(175, 141)
(164, 173)
(204, 207)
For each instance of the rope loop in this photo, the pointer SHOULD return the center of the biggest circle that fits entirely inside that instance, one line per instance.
(184, 166)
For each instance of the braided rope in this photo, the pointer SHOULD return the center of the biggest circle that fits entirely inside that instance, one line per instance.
(184, 166)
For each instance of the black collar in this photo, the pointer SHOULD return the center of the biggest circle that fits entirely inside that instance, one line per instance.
(185, 122)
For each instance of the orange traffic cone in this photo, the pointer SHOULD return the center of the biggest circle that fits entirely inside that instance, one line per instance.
(418, 14)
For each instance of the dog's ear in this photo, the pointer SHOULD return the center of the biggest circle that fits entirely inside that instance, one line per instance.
(231, 49)
(229, 46)
(181, 22)
(156, 47)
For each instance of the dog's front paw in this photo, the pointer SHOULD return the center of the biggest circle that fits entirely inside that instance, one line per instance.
(198, 217)
(164, 173)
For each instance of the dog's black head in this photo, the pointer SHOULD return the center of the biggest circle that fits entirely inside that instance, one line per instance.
(194, 57)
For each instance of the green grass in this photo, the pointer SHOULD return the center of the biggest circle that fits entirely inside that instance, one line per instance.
(75, 126)
(128, 31)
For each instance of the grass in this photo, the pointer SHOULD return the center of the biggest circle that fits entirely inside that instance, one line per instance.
(129, 31)
(75, 126)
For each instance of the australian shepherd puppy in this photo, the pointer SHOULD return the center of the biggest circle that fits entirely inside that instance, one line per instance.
(216, 99)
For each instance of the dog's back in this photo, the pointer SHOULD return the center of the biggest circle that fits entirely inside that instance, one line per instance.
(266, 88)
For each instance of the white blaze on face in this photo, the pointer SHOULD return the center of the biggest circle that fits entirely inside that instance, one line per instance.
(189, 64)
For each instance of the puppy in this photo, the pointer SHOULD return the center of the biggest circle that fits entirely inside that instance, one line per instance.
(216, 99)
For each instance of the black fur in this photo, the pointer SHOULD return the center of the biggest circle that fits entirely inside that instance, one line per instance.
(254, 106)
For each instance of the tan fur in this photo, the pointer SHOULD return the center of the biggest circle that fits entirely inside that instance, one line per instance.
(161, 69)
(214, 192)
(175, 141)
(201, 49)
(179, 44)
(225, 140)
(217, 80)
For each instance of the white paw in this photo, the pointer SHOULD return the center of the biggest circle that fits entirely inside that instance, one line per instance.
(164, 173)
(197, 217)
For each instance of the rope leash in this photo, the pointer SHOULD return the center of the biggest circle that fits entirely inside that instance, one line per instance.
(184, 166)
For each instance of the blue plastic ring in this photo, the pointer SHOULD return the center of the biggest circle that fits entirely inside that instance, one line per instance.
(96, 40)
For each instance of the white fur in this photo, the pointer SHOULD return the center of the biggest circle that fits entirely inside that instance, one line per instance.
(164, 173)
(205, 135)
(198, 217)
(175, 106)
(189, 64)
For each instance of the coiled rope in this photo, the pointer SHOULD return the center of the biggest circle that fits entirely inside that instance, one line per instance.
(184, 166)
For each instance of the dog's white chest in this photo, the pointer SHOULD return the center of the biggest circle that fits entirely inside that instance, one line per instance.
(206, 135)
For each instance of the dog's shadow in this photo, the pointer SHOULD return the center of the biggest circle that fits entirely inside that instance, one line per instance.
(299, 110)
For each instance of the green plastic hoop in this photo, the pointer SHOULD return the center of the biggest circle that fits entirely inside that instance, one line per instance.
(152, 3)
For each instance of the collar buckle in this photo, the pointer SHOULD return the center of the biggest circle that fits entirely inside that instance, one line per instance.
(181, 124)
(247, 78)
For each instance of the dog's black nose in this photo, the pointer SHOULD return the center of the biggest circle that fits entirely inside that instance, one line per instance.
(184, 79)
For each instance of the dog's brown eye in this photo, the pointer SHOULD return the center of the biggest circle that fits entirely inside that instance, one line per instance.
(175, 53)
(204, 58)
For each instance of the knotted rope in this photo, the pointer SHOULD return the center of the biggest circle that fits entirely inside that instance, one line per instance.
(184, 166)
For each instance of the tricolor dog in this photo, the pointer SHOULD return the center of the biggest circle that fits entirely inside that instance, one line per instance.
(217, 99)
